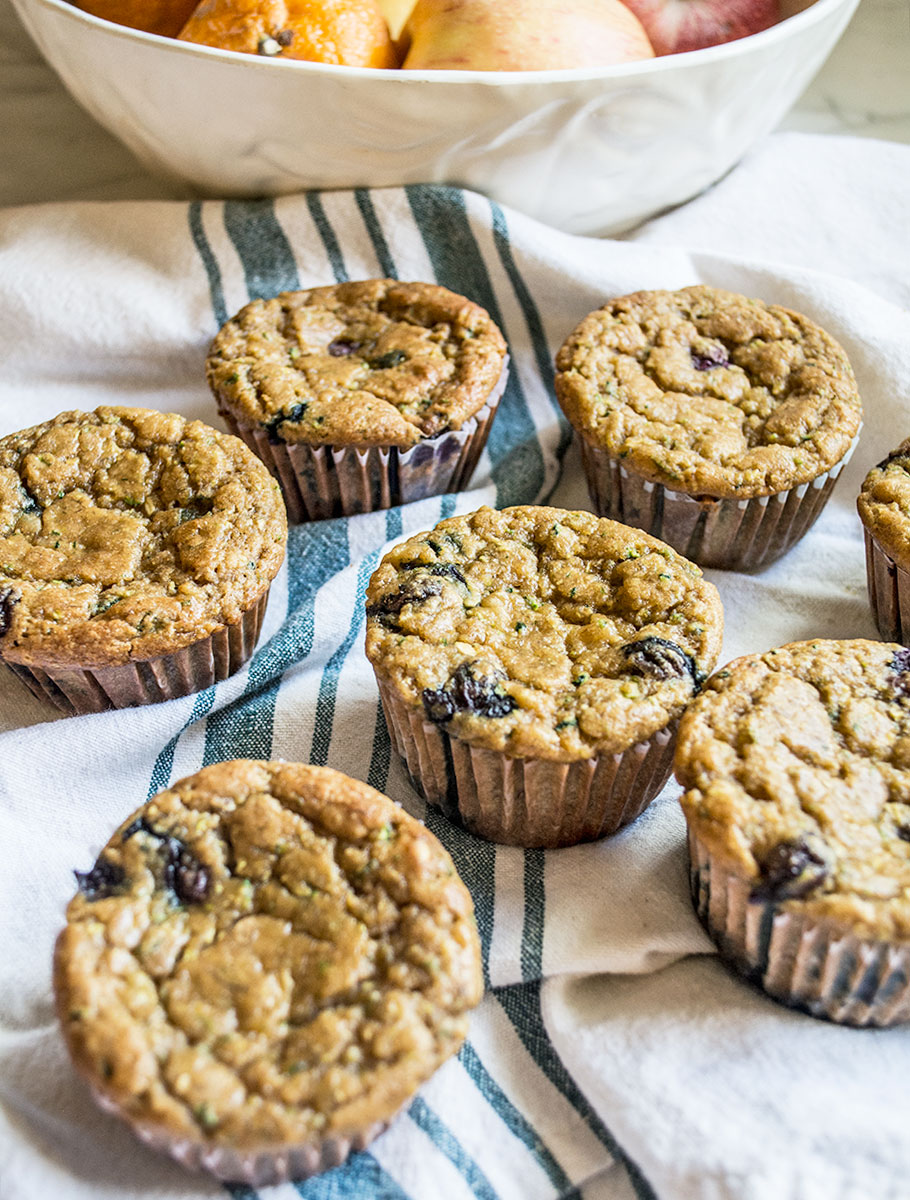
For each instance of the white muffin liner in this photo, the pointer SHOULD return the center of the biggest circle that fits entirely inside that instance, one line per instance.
(256, 1168)
(889, 592)
(182, 672)
(333, 481)
(814, 964)
(734, 534)
(527, 802)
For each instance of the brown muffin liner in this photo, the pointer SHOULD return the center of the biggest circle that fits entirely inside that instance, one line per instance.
(257, 1168)
(336, 481)
(814, 964)
(527, 802)
(148, 681)
(737, 535)
(889, 592)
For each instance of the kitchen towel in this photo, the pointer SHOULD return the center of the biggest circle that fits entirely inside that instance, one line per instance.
(613, 1056)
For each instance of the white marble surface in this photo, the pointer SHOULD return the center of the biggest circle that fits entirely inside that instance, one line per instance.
(863, 89)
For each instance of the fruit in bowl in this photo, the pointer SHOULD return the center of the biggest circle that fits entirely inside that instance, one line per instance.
(351, 33)
(453, 35)
(595, 150)
(521, 35)
(674, 26)
(165, 17)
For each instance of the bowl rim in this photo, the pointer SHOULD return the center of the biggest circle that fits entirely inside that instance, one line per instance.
(815, 12)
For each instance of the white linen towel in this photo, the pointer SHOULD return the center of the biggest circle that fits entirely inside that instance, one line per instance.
(613, 1056)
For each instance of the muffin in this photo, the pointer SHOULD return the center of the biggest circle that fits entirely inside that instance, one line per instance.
(532, 665)
(713, 421)
(363, 395)
(796, 765)
(263, 965)
(884, 509)
(136, 553)
(350, 33)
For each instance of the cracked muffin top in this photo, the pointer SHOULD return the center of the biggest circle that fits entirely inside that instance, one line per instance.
(542, 633)
(372, 363)
(884, 504)
(708, 392)
(266, 953)
(797, 769)
(127, 533)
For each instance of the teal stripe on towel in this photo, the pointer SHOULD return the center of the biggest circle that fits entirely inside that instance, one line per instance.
(328, 685)
(533, 320)
(361, 1178)
(264, 250)
(513, 447)
(383, 254)
(164, 763)
(511, 1117)
(533, 928)
(521, 1004)
(327, 234)
(209, 263)
(443, 1138)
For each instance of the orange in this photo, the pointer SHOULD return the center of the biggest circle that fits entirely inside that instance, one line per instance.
(154, 16)
(350, 32)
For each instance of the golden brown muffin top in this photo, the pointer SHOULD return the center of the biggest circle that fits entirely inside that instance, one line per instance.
(542, 633)
(266, 954)
(708, 392)
(127, 533)
(797, 769)
(884, 504)
(371, 363)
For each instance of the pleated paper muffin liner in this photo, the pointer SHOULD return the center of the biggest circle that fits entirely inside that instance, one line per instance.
(256, 1168)
(889, 592)
(334, 481)
(818, 965)
(182, 672)
(734, 534)
(527, 802)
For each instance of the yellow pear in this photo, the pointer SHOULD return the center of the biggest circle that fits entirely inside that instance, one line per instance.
(396, 12)
(521, 35)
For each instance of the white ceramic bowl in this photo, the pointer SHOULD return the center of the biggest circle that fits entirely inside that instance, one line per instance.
(589, 151)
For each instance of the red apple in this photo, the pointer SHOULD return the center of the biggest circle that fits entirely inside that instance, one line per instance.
(677, 25)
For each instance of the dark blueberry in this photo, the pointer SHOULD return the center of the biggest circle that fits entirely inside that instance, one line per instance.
(31, 505)
(661, 659)
(390, 359)
(284, 37)
(900, 665)
(467, 692)
(789, 870)
(293, 414)
(444, 570)
(439, 704)
(903, 832)
(140, 825)
(198, 506)
(892, 457)
(412, 591)
(103, 880)
(341, 348)
(183, 873)
(7, 599)
(707, 362)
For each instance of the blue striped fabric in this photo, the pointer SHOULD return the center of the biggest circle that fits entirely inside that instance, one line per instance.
(506, 1118)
